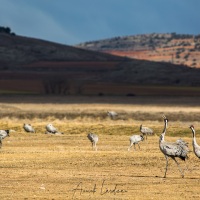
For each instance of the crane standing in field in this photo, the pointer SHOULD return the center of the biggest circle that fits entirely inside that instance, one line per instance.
(3, 134)
(112, 114)
(50, 129)
(28, 128)
(172, 150)
(135, 139)
(146, 131)
(196, 147)
(93, 139)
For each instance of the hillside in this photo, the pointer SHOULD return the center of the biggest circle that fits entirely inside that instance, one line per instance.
(173, 48)
(34, 66)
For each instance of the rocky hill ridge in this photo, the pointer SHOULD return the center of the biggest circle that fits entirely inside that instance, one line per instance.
(175, 48)
(35, 66)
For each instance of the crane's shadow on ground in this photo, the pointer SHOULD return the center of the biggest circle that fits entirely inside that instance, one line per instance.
(161, 177)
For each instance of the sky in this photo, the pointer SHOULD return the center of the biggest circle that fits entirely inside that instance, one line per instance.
(76, 21)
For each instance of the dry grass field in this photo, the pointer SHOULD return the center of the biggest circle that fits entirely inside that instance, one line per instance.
(40, 166)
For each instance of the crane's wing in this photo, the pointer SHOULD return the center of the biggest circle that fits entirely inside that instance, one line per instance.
(175, 150)
(2, 135)
(146, 130)
(29, 128)
(51, 128)
(92, 137)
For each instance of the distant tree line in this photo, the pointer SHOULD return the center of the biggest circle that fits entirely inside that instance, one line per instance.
(6, 30)
(56, 86)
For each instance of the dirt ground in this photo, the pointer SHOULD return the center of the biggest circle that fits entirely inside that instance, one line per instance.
(41, 166)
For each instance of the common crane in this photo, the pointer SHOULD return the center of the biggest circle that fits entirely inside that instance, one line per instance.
(4, 134)
(28, 128)
(172, 149)
(196, 147)
(50, 129)
(112, 114)
(93, 139)
(135, 139)
(145, 131)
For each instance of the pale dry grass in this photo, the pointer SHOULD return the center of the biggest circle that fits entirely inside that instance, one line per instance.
(40, 166)
(138, 108)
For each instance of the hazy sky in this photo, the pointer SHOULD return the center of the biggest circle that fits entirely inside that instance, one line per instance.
(75, 21)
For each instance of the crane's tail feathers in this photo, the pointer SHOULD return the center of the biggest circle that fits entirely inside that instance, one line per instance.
(184, 157)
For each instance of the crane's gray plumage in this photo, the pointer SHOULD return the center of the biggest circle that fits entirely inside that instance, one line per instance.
(112, 114)
(196, 147)
(93, 139)
(172, 149)
(28, 128)
(135, 139)
(3, 134)
(146, 131)
(183, 143)
(50, 129)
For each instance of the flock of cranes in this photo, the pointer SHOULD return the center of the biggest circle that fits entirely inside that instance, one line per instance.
(177, 149)
(50, 129)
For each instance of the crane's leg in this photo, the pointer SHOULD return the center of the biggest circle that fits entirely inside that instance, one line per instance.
(187, 167)
(131, 144)
(182, 174)
(134, 147)
(138, 145)
(92, 145)
(95, 146)
(166, 166)
(0, 143)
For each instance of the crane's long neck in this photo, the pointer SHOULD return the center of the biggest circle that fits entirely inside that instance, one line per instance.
(193, 133)
(162, 137)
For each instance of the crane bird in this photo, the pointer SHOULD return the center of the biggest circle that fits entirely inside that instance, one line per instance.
(135, 139)
(4, 134)
(28, 128)
(93, 139)
(172, 149)
(112, 114)
(196, 147)
(50, 129)
(146, 131)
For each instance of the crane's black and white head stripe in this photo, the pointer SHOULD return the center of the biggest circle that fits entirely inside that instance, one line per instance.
(191, 126)
(165, 118)
(8, 132)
